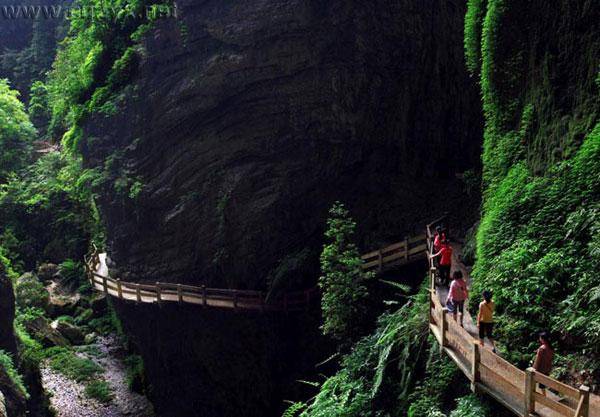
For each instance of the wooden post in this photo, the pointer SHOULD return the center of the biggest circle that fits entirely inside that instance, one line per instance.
(529, 391)
(475, 358)
(406, 248)
(432, 274)
(138, 293)
(235, 300)
(204, 295)
(443, 328)
(583, 409)
(431, 295)
(105, 285)
(119, 289)
(179, 294)
(379, 260)
(158, 295)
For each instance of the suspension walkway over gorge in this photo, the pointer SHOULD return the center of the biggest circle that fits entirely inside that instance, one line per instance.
(487, 372)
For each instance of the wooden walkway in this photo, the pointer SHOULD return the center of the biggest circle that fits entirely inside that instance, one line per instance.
(489, 373)
(407, 251)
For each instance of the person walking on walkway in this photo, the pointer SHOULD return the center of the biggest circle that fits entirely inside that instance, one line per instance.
(457, 295)
(485, 320)
(440, 235)
(544, 357)
(445, 254)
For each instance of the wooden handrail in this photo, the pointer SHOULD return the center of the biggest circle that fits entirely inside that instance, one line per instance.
(409, 250)
(489, 373)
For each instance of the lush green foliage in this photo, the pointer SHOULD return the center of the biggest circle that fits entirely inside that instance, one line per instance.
(48, 213)
(30, 292)
(342, 280)
(473, 26)
(95, 61)
(7, 367)
(537, 244)
(427, 399)
(470, 406)
(72, 273)
(377, 377)
(16, 132)
(30, 60)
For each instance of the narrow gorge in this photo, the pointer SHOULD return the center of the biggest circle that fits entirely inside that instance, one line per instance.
(232, 147)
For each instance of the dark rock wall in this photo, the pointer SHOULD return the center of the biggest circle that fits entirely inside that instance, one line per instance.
(212, 363)
(247, 120)
(244, 123)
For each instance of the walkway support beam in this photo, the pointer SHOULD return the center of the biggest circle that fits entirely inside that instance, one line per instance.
(475, 358)
(529, 391)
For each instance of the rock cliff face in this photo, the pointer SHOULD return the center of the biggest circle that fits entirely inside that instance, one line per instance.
(248, 119)
(244, 123)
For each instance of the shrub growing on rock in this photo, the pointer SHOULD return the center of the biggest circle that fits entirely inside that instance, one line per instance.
(342, 280)
(30, 292)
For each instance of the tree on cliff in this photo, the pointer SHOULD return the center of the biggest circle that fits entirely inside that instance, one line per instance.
(16, 131)
(342, 279)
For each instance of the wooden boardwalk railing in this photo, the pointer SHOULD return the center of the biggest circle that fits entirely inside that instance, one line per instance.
(489, 373)
(409, 250)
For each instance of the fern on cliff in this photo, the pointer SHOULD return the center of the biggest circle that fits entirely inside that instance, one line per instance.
(536, 242)
(378, 375)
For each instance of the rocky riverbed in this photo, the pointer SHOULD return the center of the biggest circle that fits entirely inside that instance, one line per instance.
(67, 397)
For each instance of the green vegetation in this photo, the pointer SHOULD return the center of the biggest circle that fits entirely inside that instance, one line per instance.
(135, 373)
(99, 390)
(95, 62)
(30, 292)
(431, 394)
(16, 132)
(470, 406)
(377, 377)
(8, 367)
(473, 26)
(537, 244)
(72, 273)
(343, 280)
(48, 213)
(72, 366)
(80, 369)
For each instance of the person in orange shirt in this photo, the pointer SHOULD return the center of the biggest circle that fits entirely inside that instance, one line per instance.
(485, 319)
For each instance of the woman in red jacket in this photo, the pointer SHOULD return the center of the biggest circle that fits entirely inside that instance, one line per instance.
(445, 254)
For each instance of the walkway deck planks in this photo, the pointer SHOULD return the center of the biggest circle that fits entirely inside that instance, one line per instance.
(491, 374)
